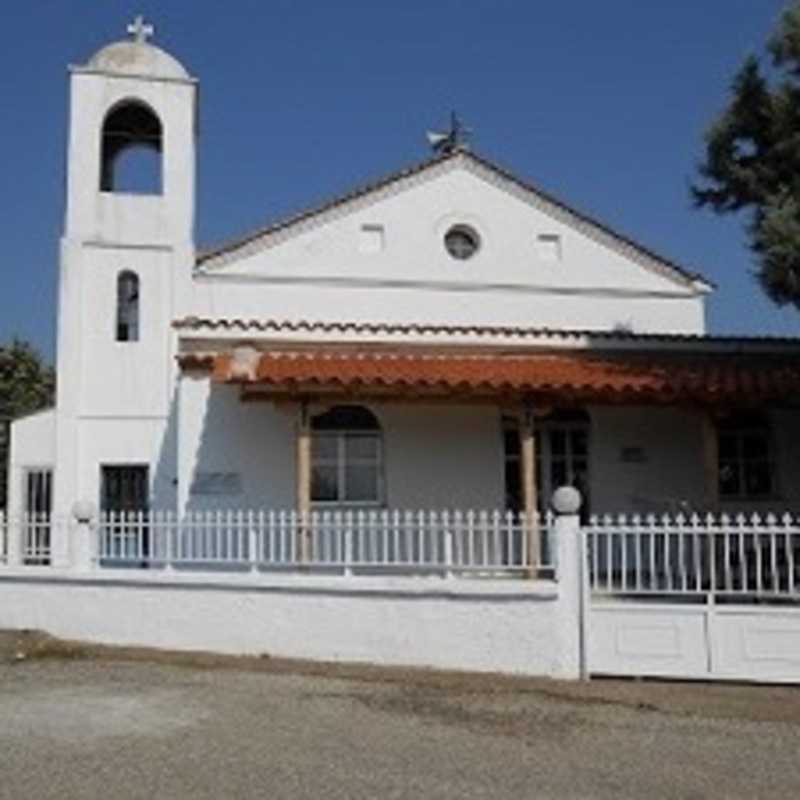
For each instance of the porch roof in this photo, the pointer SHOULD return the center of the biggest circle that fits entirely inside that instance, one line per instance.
(719, 378)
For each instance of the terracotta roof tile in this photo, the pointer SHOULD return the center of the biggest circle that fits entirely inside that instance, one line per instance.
(571, 376)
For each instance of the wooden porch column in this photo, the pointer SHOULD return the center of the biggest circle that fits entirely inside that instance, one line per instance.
(527, 462)
(303, 441)
(710, 461)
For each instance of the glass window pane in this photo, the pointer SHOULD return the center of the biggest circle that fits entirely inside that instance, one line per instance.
(361, 484)
(579, 442)
(757, 478)
(754, 445)
(729, 482)
(324, 484)
(511, 442)
(558, 474)
(361, 447)
(558, 442)
(324, 447)
(513, 486)
(727, 446)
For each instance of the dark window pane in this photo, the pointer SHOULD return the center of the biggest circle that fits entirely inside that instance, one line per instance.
(361, 484)
(513, 486)
(579, 467)
(758, 478)
(558, 443)
(558, 474)
(346, 418)
(124, 488)
(728, 446)
(361, 447)
(324, 447)
(324, 484)
(127, 307)
(580, 442)
(729, 482)
(755, 445)
(511, 442)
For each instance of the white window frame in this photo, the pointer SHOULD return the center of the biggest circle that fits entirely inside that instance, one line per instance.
(341, 463)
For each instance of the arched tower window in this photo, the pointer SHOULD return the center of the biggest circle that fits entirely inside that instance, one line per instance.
(347, 457)
(127, 307)
(132, 148)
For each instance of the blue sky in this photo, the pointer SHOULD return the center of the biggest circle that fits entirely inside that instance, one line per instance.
(602, 104)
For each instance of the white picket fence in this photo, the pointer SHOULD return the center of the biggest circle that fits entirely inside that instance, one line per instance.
(739, 556)
(401, 541)
(481, 543)
(34, 535)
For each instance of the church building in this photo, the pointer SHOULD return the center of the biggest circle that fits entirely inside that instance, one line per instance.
(450, 336)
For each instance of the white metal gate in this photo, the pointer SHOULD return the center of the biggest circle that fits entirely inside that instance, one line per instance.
(694, 597)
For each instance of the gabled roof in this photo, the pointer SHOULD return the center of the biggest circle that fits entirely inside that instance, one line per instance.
(262, 238)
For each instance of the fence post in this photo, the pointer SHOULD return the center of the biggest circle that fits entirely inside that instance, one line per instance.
(82, 529)
(571, 573)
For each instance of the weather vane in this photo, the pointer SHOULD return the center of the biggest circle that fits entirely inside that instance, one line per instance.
(457, 138)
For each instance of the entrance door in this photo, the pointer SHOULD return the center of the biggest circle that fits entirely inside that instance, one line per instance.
(125, 491)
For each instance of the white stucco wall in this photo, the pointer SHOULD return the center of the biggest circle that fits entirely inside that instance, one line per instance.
(524, 627)
(129, 219)
(434, 456)
(320, 273)
(115, 400)
(108, 442)
(33, 446)
(671, 472)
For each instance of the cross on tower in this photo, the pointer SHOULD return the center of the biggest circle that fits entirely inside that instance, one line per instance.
(141, 31)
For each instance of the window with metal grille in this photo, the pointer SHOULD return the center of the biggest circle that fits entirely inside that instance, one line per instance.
(124, 488)
(124, 495)
(38, 507)
(347, 457)
(39, 491)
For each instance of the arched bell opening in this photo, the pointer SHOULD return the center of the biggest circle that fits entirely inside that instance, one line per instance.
(132, 150)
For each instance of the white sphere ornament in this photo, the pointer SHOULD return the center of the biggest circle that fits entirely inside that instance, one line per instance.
(84, 511)
(566, 500)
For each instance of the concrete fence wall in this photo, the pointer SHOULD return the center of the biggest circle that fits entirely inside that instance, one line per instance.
(515, 625)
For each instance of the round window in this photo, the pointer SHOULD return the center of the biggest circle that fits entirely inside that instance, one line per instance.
(462, 242)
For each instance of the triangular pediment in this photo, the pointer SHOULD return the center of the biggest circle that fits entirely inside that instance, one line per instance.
(456, 186)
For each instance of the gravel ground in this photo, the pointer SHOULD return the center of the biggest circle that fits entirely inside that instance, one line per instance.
(80, 722)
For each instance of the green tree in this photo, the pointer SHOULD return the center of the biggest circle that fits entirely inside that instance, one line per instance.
(27, 384)
(752, 160)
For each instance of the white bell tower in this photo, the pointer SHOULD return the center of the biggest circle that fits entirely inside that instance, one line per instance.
(126, 260)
